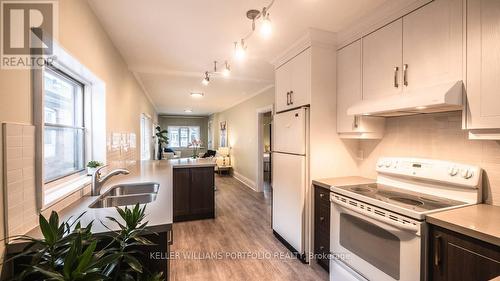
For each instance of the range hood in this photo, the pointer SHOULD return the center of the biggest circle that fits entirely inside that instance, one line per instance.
(443, 97)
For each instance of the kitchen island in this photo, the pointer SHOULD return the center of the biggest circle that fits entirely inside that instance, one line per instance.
(193, 189)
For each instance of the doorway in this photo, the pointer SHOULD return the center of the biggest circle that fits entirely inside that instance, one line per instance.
(264, 157)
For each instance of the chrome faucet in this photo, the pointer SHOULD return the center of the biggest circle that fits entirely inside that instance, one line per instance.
(98, 182)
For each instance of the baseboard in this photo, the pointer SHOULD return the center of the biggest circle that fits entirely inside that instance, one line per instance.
(244, 180)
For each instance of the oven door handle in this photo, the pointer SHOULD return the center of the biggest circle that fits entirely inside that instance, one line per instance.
(406, 227)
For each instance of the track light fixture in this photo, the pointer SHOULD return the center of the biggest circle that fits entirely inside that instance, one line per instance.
(240, 50)
(206, 80)
(227, 70)
(240, 47)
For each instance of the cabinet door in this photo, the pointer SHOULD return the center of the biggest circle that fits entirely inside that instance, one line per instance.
(348, 84)
(457, 257)
(382, 54)
(202, 191)
(283, 76)
(181, 183)
(433, 44)
(300, 92)
(483, 64)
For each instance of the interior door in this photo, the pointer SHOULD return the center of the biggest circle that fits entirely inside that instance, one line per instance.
(382, 54)
(433, 44)
(348, 84)
(301, 79)
(289, 198)
(290, 131)
(283, 86)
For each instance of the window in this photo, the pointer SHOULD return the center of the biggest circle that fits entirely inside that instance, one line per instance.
(64, 132)
(182, 136)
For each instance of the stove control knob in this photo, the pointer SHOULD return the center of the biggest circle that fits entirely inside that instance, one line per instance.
(453, 171)
(380, 164)
(388, 164)
(467, 174)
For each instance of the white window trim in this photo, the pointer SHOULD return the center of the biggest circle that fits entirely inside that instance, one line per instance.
(95, 126)
(182, 126)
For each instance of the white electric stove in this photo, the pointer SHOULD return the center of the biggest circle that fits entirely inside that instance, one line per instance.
(378, 230)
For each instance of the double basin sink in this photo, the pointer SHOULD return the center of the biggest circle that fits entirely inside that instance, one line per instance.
(127, 194)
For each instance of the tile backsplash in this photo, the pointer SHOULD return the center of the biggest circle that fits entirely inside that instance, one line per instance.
(435, 136)
(19, 180)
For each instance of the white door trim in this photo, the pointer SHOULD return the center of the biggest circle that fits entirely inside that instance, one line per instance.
(260, 144)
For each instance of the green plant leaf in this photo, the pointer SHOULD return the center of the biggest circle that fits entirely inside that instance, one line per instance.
(133, 263)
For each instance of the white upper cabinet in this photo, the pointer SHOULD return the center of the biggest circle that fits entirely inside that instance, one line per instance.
(293, 82)
(483, 65)
(349, 92)
(433, 45)
(382, 60)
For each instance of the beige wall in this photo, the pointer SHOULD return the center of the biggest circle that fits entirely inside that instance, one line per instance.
(81, 35)
(243, 134)
(437, 136)
(202, 122)
(266, 126)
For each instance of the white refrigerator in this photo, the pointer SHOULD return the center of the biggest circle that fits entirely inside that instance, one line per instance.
(290, 177)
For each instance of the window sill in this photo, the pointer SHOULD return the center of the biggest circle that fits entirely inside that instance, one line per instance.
(61, 191)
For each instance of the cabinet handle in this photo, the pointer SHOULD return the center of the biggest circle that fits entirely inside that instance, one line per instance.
(321, 218)
(170, 239)
(321, 195)
(291, 100)
(287, 98)
(321, 248)
(437, 251)
(355, 123)
(405, 74)
(396, 70)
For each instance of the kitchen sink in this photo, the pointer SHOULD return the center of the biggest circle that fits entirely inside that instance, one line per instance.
(115, 201)
(127, 194)
(132, 188)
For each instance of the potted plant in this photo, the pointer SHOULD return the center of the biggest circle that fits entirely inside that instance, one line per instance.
(195, 144)
(69, 251)
(92, 167)
(162, 136)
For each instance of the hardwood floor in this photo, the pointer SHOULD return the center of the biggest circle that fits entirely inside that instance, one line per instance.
(208, 249)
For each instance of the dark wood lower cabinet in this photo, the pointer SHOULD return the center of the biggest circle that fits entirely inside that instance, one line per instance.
(194, 194)
(322, 226)
(456, 257)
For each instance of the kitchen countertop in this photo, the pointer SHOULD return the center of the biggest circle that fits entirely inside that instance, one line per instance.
(191, 162)
(477, 221)
(329, 182)
(159, 213)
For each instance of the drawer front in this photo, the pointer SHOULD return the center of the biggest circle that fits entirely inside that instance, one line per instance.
(322, 226)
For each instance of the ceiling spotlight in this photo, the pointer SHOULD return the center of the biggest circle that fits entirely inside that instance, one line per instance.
(240, 50)
(227, 70)
(206, 80)
(197, 95)
(265, 27)
(188, 110)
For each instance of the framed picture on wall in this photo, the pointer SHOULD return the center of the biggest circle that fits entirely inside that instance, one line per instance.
(223, 134)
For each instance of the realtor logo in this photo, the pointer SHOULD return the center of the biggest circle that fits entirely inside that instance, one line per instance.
(28, 31)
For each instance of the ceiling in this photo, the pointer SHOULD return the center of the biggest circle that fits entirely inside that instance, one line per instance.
(169, 44)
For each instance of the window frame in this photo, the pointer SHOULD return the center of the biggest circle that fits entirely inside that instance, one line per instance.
(83, 128)
(178, 130)
(47, 195)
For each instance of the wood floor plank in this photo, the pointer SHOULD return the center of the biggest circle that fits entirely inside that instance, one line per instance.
(208, 249)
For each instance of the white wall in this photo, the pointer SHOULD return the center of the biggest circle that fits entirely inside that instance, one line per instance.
(242, 129)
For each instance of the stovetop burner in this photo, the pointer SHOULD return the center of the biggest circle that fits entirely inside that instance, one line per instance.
(402, 198)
